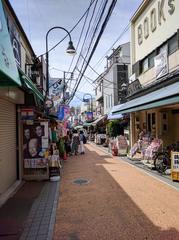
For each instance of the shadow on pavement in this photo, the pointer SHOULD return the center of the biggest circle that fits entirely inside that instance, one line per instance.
(101, 209)
(15, 211)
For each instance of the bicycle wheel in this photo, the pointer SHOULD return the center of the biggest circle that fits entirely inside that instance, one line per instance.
(159, 166)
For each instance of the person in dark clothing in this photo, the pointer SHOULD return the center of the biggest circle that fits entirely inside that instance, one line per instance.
(81, 137)
(75, 142)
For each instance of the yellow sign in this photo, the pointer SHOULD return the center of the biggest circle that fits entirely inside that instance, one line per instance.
(175, 165)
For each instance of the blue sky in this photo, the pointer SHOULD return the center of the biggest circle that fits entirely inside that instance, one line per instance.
(38, 16)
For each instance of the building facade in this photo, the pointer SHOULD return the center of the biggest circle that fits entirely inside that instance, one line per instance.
(153, 95)
(16, 90)
(115, 76)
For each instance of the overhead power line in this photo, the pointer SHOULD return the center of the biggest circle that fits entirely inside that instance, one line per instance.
(97, 41)
(70, 30)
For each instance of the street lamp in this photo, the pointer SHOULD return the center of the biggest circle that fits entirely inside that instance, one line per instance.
(70, 50)
(87, 100)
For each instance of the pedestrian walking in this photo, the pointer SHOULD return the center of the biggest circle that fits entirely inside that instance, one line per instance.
(82, 141)
(75, 142)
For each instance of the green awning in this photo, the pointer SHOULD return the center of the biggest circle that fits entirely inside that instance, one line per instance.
(164, 96)
(27, 82)
(87, 124)
(163, 102)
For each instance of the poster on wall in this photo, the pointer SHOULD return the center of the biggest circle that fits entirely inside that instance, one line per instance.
(89, 116)
(15, 40)
(35, 142)
(63, 112)
(161, 64)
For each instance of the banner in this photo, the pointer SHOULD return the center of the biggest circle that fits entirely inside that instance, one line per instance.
(63, 112)
(89, 116)
(7, 60)
(161, 64)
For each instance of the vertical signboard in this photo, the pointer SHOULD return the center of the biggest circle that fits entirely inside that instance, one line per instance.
(63, 112)
(89, 116)
(175, 165)
(7, 60)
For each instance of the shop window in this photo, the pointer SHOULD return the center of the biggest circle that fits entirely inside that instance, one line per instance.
(151, 120)
(164, 122)
(172, 44)
(163, 48)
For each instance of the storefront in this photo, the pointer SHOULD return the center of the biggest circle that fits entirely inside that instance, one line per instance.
(153, 95)
(10, 96)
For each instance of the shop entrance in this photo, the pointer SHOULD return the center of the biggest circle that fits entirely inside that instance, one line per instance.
(151, 122)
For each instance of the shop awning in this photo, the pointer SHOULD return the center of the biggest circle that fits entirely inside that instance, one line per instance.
(87, 124)
(112, 116)
(164, 96)
(27, 83)
(99, 120)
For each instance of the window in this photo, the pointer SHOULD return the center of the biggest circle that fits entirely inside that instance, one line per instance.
(172, 44)
(145, 65)
(151, 60)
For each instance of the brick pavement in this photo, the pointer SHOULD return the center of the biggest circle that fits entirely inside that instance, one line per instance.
(30, 213)
(119, 202)
(40, 222)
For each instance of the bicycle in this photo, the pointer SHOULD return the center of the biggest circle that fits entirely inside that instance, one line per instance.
(162, 161)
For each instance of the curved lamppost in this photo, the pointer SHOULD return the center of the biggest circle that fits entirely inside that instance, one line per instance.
(87, 100)
(70, 50)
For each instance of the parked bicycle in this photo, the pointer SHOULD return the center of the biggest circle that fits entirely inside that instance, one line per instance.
(162, 160)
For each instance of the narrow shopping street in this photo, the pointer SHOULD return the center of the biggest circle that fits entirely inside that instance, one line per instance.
(119, 201)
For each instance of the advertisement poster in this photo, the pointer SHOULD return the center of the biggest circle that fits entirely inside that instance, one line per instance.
(89, 116)
(161, 64)
(63, 112)
(34, 144)
(7, 61)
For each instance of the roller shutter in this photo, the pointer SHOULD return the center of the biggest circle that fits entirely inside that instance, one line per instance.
(8, 173)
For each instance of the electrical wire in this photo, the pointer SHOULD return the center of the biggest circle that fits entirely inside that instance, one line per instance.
(118, 38)
(100, 17)
(70, 30)
(97, 41)
(80, 36)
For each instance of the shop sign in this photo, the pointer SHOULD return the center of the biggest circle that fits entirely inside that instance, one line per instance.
(7, 60)
(89, 116)
(175, 161)
(156, 17)
(27, 114)
(122, 144)
(15, 40)
(133, 87)
(161, 64)
(63, 112)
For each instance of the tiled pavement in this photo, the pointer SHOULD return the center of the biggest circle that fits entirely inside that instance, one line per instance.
(40, 222)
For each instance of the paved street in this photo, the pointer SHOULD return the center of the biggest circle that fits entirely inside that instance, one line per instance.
(119, 201)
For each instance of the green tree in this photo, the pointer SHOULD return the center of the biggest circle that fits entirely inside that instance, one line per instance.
(114, 128)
